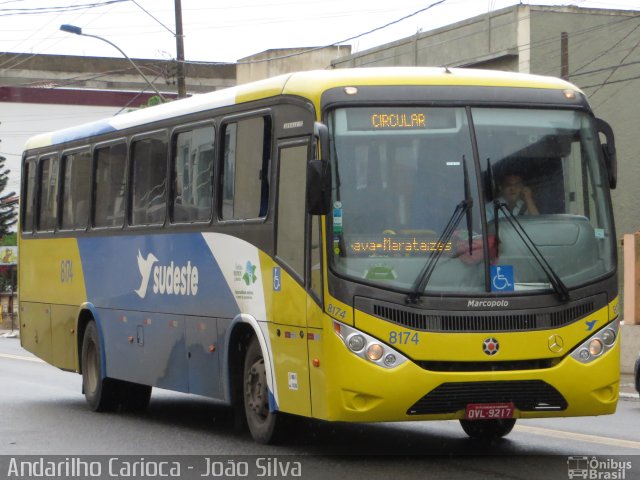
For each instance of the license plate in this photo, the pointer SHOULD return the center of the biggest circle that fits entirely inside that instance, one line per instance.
(488, 411)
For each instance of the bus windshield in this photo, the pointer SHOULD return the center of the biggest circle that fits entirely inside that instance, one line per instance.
(413, 189)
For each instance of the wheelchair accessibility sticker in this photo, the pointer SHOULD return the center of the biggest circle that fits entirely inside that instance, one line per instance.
(277, 279)
(502, 278)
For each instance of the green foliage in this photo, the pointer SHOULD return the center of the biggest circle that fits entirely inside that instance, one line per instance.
(9, 240)
(153, 101)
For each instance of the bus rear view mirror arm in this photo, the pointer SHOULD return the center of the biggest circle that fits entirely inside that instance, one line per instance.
(319, 173)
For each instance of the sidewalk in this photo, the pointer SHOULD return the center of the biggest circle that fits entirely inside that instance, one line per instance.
(9, 334)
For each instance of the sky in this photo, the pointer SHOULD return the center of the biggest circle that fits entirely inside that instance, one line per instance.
(225, 31)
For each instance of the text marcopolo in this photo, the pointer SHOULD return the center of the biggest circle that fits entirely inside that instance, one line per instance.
(487, 303)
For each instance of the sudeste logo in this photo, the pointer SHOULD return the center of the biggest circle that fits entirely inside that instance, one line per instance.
(167, 279)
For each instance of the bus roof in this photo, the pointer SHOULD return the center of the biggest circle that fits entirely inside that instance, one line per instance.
(309, 84)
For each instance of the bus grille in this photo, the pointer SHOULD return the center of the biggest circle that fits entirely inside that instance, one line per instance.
(527, 395)
(482, 321)
(487, 366)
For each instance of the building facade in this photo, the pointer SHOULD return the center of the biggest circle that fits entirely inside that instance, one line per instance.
(597, 50)
(41, 93)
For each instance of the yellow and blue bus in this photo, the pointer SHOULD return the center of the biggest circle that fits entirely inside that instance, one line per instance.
(348, 245)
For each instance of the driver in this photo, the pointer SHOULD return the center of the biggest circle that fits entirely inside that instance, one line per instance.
(516, 196)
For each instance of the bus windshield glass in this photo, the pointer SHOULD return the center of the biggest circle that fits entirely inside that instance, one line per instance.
(409, 195)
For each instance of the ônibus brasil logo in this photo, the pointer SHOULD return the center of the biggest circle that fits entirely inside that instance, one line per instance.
(167, 279)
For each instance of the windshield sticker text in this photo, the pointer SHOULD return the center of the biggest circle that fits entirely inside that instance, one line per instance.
(388, 245)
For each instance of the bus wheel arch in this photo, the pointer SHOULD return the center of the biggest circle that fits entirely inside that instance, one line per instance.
(250, 367)
(104, 394)
(239, 339)
(84, 318)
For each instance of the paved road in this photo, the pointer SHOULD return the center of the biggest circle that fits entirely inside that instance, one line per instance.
(44, 413)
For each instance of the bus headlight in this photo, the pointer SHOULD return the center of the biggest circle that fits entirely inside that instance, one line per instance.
(375, 352)
(584, 354)
(367, 347)
(598, 344)
(390, 359)
(356, 342)
(608, 337)
(595, 347)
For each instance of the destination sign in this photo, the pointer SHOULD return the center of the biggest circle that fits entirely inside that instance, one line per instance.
(400, 118)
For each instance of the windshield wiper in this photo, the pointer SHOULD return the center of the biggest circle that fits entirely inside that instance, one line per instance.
(462, 208)
(555, 280)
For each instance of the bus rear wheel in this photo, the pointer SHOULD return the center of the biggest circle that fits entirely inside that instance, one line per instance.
(107, 394)
(488, 429)
(266, 426)
(101, 393)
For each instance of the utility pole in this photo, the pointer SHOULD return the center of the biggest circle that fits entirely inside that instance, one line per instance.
(564, 55)
(182, 89)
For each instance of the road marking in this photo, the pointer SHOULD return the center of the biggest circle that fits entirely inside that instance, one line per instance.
(580, 437)
(21, 357)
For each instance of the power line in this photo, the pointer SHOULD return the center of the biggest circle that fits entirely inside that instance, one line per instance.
(158, 21)
(605, 69)
(603, 53)
(611, 73)
(610, 82)
(66, 8)
(43, 27)
(334, 44)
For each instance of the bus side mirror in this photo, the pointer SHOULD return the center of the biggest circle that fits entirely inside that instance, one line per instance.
(319, 187)
(609, 151)
(319, 174)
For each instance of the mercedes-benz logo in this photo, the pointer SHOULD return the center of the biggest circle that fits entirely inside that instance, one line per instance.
(556, 343)
(490, 346)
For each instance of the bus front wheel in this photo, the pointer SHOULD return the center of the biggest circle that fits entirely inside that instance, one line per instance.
(266, 426)
(487, 429)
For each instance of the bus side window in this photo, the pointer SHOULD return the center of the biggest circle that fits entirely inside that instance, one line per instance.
(29, 180)
(108, 210)
(246, 164)
(148, 189)
(192, 175)
(76, 172)
(48, 205)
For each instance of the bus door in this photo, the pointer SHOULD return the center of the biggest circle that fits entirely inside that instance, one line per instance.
(289, 277)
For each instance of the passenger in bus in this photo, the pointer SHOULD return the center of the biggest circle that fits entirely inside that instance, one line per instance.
(517, 196)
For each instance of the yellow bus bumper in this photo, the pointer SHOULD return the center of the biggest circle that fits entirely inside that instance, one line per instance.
(351, 389)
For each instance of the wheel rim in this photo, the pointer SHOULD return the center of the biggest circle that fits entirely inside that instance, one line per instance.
(256, 396)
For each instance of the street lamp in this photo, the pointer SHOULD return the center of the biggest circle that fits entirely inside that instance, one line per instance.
(78, 31)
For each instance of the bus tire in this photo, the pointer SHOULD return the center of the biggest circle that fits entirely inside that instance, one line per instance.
(101, 393)
(264, 425)
(488, 429)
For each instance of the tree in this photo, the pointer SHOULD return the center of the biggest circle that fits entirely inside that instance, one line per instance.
(8, 202)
